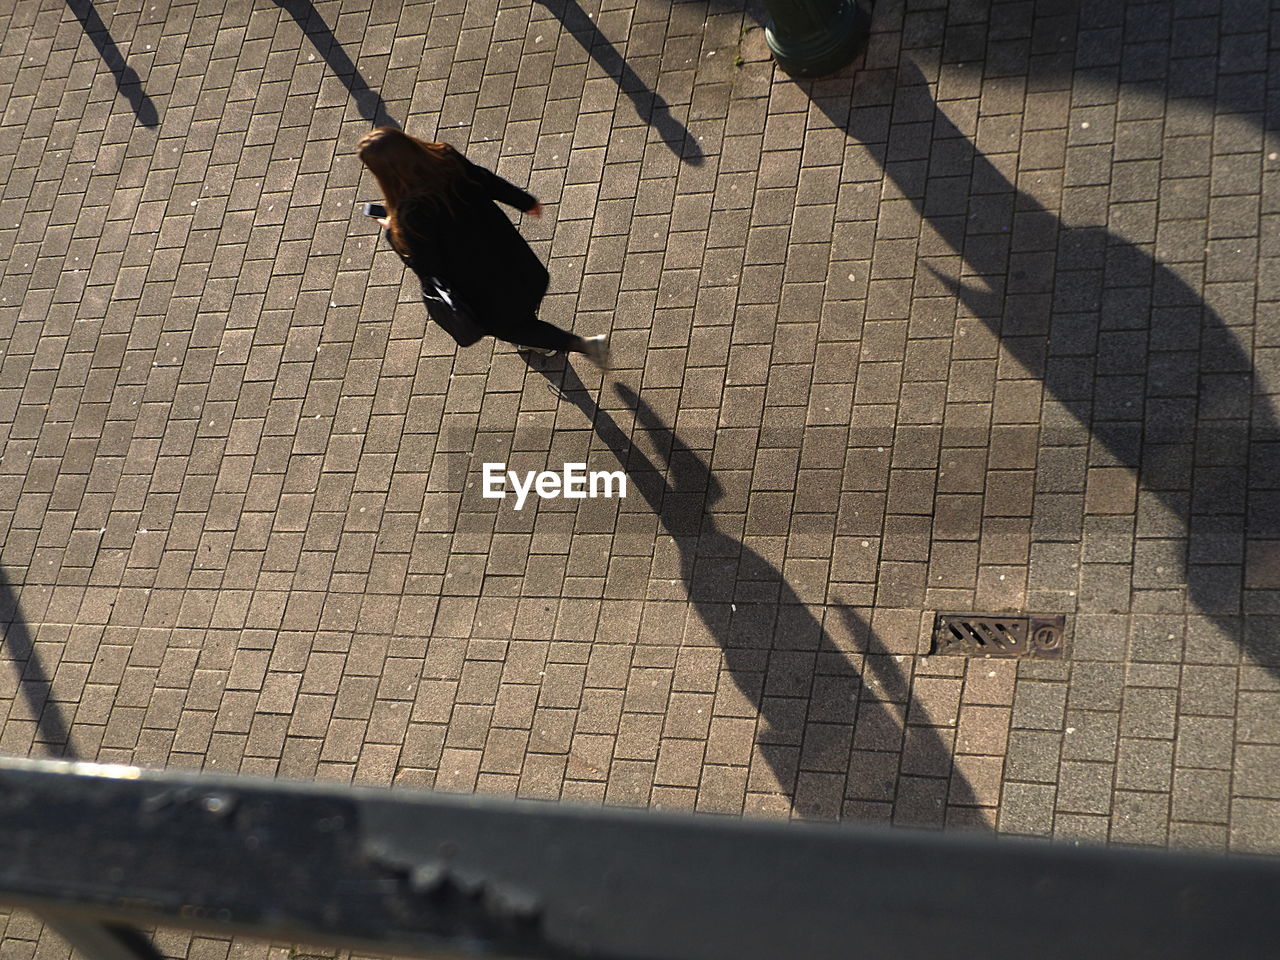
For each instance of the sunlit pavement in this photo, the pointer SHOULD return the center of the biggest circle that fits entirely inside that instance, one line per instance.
(990, 321)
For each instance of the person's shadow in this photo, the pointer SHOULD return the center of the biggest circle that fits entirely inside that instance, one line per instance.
(368, 101)
(1131, 354)
(127, 80)
(649, 105)
(772, 647)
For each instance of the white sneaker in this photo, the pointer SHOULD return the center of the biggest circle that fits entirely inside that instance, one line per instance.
(596, 349)
(542, 350)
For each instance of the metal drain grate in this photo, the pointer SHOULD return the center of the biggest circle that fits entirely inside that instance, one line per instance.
(999, 635)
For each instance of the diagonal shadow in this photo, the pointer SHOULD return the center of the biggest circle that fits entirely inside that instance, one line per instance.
(126, 77)
(1132, 44)
(772, 646)
(649, 105)
(19, 650)
(368, 102)
(89, 937)
(1134, 357)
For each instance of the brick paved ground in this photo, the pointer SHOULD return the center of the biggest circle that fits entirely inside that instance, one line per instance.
(990, 320)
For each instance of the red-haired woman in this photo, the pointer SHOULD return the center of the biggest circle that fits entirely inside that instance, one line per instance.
(442, 219)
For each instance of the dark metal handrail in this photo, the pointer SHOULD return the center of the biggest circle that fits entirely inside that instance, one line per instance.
(99, 850)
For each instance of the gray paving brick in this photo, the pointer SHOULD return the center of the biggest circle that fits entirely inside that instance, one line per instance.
(1032, 755)
(1205, 742)
(1253, 825)
(1256, 772)
(1144, 765)
(1091, 735)
(1140, 818)
(1148, 713)
(1198, 836)
(723, 789)
(1085, 787)
(1202, 796)
(1027, 809)
(1256, 720)
(1039, 705)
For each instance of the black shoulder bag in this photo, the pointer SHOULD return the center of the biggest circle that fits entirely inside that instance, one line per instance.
(455, 317)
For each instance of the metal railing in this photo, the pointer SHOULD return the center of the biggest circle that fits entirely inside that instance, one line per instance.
(99, 851)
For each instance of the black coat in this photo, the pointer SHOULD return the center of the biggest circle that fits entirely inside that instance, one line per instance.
(476, 251)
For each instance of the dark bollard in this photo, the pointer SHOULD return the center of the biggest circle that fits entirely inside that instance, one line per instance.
(812, 38)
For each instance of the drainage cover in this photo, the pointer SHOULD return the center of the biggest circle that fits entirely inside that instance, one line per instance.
(999, 635)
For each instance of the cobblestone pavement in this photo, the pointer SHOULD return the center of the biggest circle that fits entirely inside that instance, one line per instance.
(988, 321)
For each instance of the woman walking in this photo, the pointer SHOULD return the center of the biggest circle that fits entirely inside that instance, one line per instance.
(442, 220)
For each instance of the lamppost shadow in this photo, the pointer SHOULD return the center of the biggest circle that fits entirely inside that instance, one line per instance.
(649, 105)
(126, 77)
(368, 101)
(1143, 375)
(1131, 45)
(773, 646)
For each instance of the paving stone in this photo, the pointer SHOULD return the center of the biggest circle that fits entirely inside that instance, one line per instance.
(983, 730)
(1256, 720)
(1148, 713)
(1140, 818)
(921, 802)
(1077, 828)
(1144, 765)
(1085, 787)
(1027, 809)
(1198, 836)
(1205, 742)
(1091, 735)
(1039, 705)
(723, 789)
(1256, 772)
(1033, 755)
(1253, 825)
(1202, 796)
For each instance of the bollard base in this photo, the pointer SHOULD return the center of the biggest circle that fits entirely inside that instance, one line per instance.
(823, 51)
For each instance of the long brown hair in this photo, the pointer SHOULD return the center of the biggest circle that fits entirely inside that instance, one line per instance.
(410, 170)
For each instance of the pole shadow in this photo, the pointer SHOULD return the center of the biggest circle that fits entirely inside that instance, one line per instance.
(780, 657)
(368, 102)
(33, 683)
(127, 80)
(90, 937)
(649, 105)
(1144, 375)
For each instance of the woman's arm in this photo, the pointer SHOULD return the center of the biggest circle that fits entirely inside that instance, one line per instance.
(500, 189)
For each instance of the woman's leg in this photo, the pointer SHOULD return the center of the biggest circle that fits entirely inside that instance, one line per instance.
(545, 336)
(538, 333)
